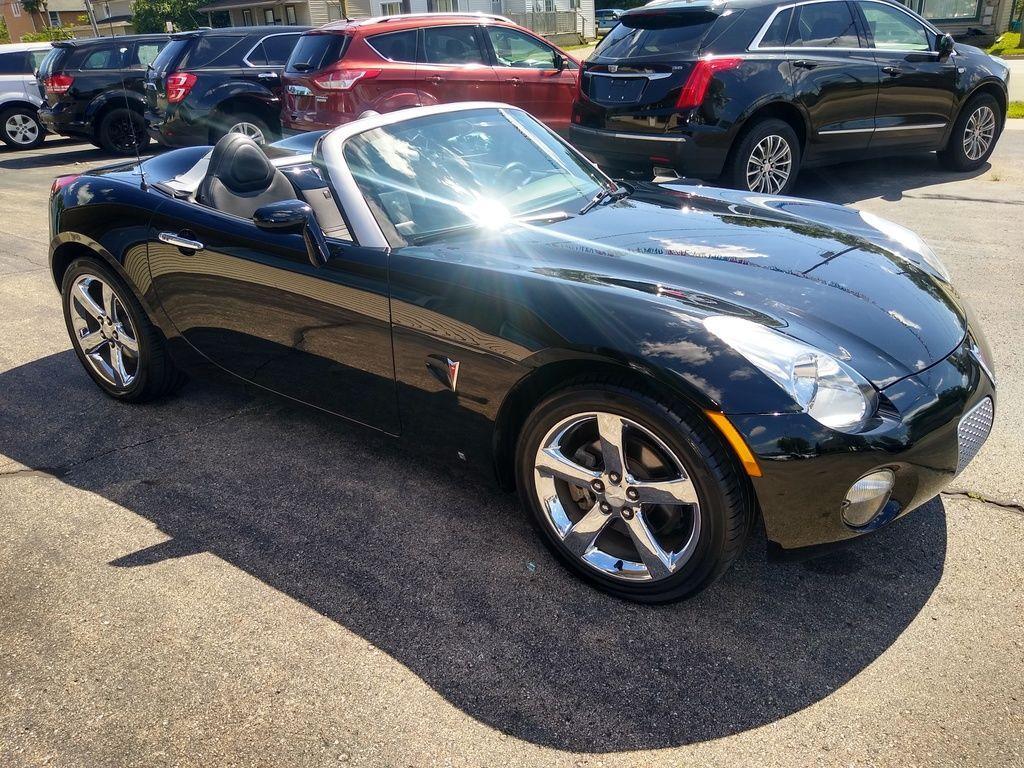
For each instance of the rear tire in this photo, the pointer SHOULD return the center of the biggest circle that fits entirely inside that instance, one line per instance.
(122, 132)
(127, 357)
(20, 128)
(245, 123)
(663, 442)
(765, 158)
(974, 135)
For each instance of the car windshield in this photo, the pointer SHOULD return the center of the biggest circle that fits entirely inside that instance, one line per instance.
(439, 174)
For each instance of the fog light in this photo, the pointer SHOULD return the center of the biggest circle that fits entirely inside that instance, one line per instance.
(867, 497)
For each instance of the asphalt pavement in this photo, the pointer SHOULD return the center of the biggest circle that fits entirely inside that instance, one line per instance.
(227, 579)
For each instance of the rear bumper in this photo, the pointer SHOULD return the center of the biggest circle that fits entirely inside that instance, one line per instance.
(805, 479)
(173, 129)
(60, 120)
(700, 155)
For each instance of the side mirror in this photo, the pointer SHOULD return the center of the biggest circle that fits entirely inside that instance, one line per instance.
(560, 62)
(292, 217)
(944, 44)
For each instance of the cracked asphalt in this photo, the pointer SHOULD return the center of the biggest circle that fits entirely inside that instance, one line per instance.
(227, 579)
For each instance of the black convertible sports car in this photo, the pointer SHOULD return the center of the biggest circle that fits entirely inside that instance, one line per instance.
(652, 366)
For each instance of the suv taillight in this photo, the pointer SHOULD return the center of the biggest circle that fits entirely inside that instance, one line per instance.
(178, 85)
(343, 79)
(57, 84)
(697, 83)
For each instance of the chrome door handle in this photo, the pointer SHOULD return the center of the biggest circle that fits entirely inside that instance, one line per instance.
(892, 71)
(805, 64)
(267, 75)
(181, 242)
(515, 80)
(435, 79)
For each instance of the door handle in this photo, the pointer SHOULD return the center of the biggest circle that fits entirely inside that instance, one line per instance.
(805, 64)
(184, 243)
(267, 75)
(892, 71)
(515, 80)
(435, 79)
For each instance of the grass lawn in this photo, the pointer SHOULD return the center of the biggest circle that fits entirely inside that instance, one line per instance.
(1008, 43)
(1016, 109)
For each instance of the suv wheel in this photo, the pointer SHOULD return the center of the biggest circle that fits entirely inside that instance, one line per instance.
(974, 135)
(248, 125)
(766, 159)
(20, 128)
(122, 131)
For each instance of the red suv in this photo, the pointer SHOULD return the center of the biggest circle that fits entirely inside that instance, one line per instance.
(339, 71)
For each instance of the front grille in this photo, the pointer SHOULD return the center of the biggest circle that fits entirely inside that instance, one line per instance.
(973, 432)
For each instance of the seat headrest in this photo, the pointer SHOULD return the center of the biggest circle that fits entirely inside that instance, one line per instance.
(240, 164)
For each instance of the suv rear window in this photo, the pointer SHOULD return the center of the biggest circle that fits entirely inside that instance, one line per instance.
(168, 57)
(52, 62)
(314, 52)
(97, 58)
(216, 51)
(662, 35)
(272, 51)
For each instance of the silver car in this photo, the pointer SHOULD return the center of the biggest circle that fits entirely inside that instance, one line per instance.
(19, 94)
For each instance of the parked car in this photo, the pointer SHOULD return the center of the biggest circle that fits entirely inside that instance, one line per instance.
(752, 91)
(19, 95)
(341, 70)
(651, 365)
(211, 82)
(606, 18)
(93, 89)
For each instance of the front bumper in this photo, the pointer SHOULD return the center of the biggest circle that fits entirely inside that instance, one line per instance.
(690, 154)
(807, 468)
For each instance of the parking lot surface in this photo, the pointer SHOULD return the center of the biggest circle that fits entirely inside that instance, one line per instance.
(227, 579)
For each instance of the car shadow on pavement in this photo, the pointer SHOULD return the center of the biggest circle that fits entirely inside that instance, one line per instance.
(888, 178)
(72, 151)
(444, 574)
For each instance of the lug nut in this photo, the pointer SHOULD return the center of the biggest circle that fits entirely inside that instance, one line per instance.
(606, 507)
(631, 493)
(597, 485)
(627, 513)
(614, 477)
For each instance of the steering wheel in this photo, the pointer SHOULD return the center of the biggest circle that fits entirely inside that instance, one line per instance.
(514, 174)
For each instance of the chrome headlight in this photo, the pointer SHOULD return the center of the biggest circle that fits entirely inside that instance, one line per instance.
(909, 240)
(826, 388)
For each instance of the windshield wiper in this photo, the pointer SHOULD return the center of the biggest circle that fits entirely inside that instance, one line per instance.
(605, 194)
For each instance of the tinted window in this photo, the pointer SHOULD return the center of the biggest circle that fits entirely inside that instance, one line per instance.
(168, 57)
(824, 25)
(145, 54)
(891, 28)
(36, 59)
(52, 61)
(314, 52)
(14, 63)
(452, 45)
(398, 46)
(216, 51)
(777, 32)
(662, 34)
(514, 49)
(273, 50)
(99, 58)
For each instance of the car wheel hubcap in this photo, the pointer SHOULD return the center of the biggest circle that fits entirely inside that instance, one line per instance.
(251, 130)
(617, 497)
(103, 331)
(124, 135)
(21, 129)
(980, 130)
(769, 165)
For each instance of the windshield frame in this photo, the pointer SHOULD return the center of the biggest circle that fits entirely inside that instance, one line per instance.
(332, 149)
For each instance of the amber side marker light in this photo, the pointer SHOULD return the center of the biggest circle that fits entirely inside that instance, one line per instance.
(736, 441)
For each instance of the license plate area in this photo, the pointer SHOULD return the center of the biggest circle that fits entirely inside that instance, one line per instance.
(616, 90)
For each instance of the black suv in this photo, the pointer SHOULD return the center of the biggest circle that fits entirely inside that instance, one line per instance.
(215, 81)
(93, 89)
(751, 90)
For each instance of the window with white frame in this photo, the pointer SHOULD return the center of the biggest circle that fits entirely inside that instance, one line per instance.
(391, 9)
(16, 8)
(268, 16)
(946, 10)
(54, 18)
(289, 15)
(246, 17)
(443, 6)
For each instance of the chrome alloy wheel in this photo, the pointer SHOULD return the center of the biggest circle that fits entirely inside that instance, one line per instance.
(103, 331)
(769, 165)
(979, 132)
(251, 130)
(21, 129)
(617, 497)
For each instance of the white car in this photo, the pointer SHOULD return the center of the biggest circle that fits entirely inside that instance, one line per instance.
(19, 94)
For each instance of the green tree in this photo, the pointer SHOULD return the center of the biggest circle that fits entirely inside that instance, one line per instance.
(5, 35)
(152, 15)
(47, 35)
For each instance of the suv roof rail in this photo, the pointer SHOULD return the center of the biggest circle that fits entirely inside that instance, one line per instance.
(457, 14)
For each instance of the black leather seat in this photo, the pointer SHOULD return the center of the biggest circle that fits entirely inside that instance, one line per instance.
(241, 179)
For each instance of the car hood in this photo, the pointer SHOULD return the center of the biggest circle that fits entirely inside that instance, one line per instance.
(877, 307)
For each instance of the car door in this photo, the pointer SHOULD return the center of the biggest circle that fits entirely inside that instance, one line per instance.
(534, 75)
(253, 303)
(917, 87)
(834, 76)
(453, 66)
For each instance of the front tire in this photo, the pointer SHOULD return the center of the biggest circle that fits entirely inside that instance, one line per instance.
(974, 135)
(120, 349)
(637, 496)
(122, 131)
(247, 124)
(20, 128)
(765, 159)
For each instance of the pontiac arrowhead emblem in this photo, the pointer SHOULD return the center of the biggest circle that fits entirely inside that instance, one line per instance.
(444, 369)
